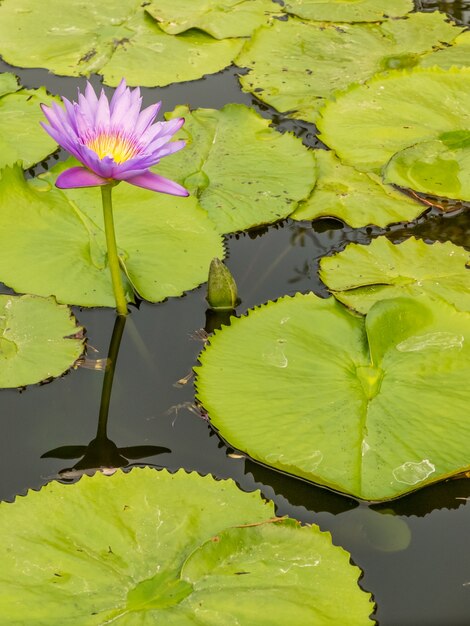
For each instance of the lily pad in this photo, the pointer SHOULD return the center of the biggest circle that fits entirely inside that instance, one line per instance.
(114, 39)
(39, 340)
(348, 10)
(243, 172)
(315, 60)
(356, 198)
(370, 123)
(438, 168)
(456, 55)
(218, 18)
(177, 549)
(361, 275)
(21, 137)
(309, 388)
(52, 242)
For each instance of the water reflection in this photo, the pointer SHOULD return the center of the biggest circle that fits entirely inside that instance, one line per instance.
(102, 453)
(459, 10)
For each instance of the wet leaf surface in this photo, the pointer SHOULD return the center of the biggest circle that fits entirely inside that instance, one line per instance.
(343, 400)
(176, 548)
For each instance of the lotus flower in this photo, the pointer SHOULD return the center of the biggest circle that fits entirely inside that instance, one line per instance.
(114, 140)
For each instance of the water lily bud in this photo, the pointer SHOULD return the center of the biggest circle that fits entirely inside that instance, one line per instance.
(221, 287)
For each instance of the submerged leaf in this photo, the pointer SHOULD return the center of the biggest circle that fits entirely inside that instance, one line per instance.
(39, 340)
(348, 10)
(315, 60)
(218, 18)
(243, 172)
(176, 549)
(356, 198)
(21, 137)
(361, 275)
(308, 388)
(114, 39)
(52, 241)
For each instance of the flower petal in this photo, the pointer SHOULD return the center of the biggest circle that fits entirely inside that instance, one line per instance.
(154, 182)
(91, 97)
(162, 129)
(146, 117)
(79, 177)
(167, 148)
(102, 118)
(121, 88)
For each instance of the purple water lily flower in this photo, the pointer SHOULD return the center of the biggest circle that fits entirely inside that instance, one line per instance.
(114, 140)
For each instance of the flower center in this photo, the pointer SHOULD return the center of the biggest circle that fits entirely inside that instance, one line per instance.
(108, 144)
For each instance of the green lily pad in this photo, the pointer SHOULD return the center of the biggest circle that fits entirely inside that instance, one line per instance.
(348, 10)
(360, 405)
(360, 275)
(21, 137)
(370, 123)
(176, 549)
(218, 18)
(39, 340)
(114, 39)
(8, 83)
(356, 198)
(243, 172)
(315, 60)
(456, 55)
(52, 241)
(438, 168)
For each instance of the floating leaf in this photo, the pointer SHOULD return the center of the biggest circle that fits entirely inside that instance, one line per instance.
(176, 549)
(438, 168)
(21, 137)
(39, 339)
(354, 197)
(456, 55)
(348, 10)
(315, 60)
(243, 172)
(360, 405)
(219, 18)
(112, 38)
(52, 241)
(8, 83)
(369, 123)
(362, 275)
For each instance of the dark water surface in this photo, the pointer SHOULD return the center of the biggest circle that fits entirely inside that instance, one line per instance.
(414, 552)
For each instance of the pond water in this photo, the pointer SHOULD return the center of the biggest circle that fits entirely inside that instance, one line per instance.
(413, 551)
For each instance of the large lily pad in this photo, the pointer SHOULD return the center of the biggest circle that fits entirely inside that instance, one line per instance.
(439, 168)
(360, 405)
(39, 340)
(370, 123)
(219, 18)
(21, 137)
(153, 547)
(355, 197)
(52, 241)
(348, 10)
(243, 172)
(112, 38)
(315, 60)
(362, 275)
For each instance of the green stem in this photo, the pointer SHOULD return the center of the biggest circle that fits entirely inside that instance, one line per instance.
(113, 259)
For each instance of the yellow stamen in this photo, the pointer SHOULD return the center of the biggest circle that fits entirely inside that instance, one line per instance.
(117, 147)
